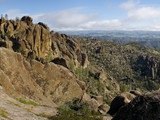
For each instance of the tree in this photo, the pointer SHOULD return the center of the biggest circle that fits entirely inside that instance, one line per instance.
(6, 16)
(1, 16)
(17, 19)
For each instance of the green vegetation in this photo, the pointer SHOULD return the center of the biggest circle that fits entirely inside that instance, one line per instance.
(49, 56)
(132, 64)
(17, 19)
(108, 101)
(72, 67)
(94, 86)
(28, 102)
(76, 111)
(4, 113)
(123, 87)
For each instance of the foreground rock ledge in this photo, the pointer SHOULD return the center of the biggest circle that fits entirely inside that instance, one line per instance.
(144, 107)
(47, 84)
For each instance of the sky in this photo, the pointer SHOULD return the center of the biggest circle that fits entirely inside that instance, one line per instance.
(87, 14)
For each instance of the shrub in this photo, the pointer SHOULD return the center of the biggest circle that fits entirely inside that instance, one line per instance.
(123, 87)
(76, 111)
(28, 102)
(4, 113)
(72, 65)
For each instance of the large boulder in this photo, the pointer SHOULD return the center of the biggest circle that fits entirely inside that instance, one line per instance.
(99, 99)
(144, 107)
(120, 101)
(103, 108)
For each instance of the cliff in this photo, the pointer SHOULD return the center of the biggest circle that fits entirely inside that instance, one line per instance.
(36, 41)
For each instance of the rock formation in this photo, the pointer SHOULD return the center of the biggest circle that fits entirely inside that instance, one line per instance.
(12, 109)
(35, 41)
(148, 66)
(35, 66)
(144, 107)
(120, 101)
(46, 84)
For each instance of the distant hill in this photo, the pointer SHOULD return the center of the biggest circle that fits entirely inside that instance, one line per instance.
(150, 39)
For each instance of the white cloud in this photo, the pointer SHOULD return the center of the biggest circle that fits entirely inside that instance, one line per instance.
(128, 5)
(72, 20)
(144, 18)
(65, 19)
(102, 25)
(143, 13)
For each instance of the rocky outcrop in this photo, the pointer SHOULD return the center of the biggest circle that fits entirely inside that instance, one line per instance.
(96, 103)
(144, 107)
(56, 81)
(46, 84)
(11, 108)
(27, 19)
(100, 50)
(120, 101)
(103, 108)
(148, 66)
(35, 41)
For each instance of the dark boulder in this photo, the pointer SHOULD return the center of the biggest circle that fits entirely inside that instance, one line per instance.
(144, 107)
(43, 25)
(60, 61)
(120, 101)
(27, 19)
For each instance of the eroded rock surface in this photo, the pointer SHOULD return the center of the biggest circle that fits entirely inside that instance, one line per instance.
(35, 41)
(46, 84)
(12, 109)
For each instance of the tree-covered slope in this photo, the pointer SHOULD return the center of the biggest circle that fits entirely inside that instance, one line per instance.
(132, 63)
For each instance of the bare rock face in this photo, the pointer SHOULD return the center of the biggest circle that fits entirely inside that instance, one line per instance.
(35, 41)
(11, 108)
(96, 103)
(27, 19)
(144, 107)
(60, 61)
(120, 101)
(44, 25)
(56, 81)
(103, 108)
(46, 84)
(99, 99)
(136, 92)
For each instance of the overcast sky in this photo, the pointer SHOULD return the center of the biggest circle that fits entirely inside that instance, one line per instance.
(88, 14)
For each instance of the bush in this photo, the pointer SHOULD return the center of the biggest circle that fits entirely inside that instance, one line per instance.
(123, 87)
(28, 102)
(76, 111)
(72, 65)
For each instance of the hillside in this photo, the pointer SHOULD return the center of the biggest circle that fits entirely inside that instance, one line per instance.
(132, 63)
(51, 76)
